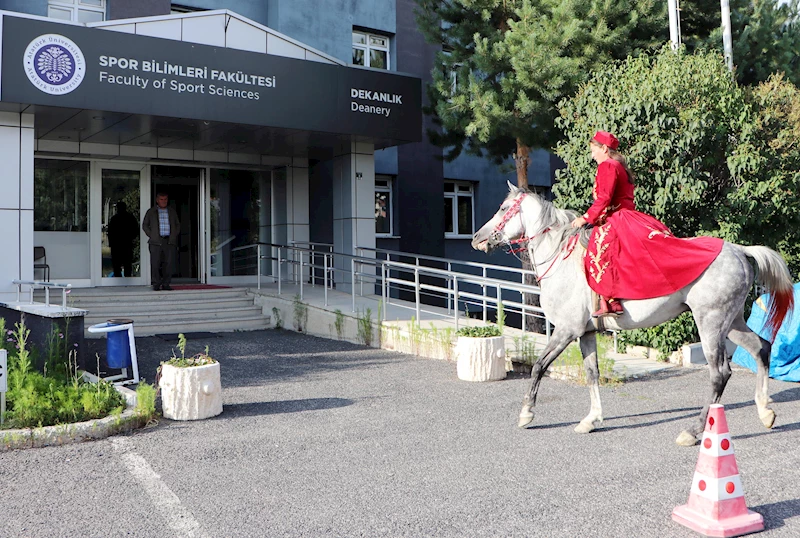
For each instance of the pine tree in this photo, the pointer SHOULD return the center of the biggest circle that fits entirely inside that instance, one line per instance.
(507, 63)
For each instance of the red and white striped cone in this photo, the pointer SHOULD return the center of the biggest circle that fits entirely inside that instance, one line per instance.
(716, 503)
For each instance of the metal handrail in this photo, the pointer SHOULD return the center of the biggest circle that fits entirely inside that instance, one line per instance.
(34, 284)
(448, 260)
(300, 258)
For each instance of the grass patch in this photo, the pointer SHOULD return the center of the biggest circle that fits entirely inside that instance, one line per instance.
(58, 396)
(486, 331)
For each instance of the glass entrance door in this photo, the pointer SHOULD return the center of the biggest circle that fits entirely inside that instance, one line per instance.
(118, 258)
(183, 185)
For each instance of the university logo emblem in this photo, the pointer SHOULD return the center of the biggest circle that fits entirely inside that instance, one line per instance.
(54, 64)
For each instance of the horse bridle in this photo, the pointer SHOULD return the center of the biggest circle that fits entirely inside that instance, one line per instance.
(512, 212)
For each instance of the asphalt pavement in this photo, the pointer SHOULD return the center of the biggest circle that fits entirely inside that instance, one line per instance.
(326, 438)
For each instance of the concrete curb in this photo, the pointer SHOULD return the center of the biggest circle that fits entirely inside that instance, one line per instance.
(78, 432)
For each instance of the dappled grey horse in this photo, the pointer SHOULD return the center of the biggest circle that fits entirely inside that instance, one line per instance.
(716, 300)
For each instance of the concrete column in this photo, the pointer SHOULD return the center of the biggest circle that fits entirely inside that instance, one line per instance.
(353, 204)
(16, 202)
(290, 220)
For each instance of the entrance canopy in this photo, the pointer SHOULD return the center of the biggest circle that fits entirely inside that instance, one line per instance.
(180, 87)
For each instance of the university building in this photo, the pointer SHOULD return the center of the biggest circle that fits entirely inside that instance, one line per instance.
(277, 121)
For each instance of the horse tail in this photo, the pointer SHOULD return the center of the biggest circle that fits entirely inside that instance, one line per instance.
(774, 275)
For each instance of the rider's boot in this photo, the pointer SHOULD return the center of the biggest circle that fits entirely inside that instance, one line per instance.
(608, 307)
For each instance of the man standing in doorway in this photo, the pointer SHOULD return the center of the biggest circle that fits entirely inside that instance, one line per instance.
(162, 228)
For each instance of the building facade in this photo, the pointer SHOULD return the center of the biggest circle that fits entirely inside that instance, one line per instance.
(314, 134)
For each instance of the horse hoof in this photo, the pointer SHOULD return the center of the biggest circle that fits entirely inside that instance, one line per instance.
(767, 418)
(586, 426)
(525, 419)
(686, 439)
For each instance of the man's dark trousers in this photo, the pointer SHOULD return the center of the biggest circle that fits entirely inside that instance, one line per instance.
(161, 257)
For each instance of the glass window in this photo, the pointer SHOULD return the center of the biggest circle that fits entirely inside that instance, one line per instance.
(370, 50)
(378, 59)
(61, 217)
(85, 15)
(77, 10)
(65, 14)
(60, 192)
(383, 205)
(240, 217)
(458, 209)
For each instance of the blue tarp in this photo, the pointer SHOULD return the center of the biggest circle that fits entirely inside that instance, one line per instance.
(785, 360)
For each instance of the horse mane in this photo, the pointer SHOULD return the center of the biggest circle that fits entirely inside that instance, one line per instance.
(558, 220)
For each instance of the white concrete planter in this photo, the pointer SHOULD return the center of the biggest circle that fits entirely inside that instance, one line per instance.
(191, 393)
(481, 359)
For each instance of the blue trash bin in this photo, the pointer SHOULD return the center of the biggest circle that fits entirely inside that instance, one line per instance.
(118, 348)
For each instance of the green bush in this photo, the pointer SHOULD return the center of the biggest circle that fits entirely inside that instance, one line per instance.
(485, 331)
(145, 401)
(666, 338)
(36, 400)
(710, 157)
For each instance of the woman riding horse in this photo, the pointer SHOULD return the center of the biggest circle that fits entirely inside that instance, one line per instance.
(632, 255)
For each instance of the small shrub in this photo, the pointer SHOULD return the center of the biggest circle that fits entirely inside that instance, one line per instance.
(666, 338)
(339, 324)
(365, 328)
(486, 331)
(278, 319)
(501, 315)
(200, 359)
(300, 315)
(145, 401)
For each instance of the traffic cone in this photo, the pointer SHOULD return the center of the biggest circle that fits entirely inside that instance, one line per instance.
(716, 503)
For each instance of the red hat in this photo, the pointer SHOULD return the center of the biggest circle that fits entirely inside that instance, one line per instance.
(607, 139)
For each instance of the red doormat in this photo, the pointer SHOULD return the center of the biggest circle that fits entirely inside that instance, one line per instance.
(197, 287)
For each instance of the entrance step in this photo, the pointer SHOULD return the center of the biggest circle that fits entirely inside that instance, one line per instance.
(169, 312)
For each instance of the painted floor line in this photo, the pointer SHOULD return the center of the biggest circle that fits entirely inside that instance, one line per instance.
(175, 514)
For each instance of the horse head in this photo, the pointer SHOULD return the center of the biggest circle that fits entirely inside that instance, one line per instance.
(508, 223)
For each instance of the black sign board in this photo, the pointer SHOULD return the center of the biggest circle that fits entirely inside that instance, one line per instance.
(48, 63)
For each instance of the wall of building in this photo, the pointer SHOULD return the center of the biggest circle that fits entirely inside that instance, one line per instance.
(256, 10)
(125, 9)
(34, 7)
(329, 29)
(16, 202)
(419, 200)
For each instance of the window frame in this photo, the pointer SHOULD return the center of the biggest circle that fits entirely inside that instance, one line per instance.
(367, 46)
(387, 188)
(455, 194)
(75, 7)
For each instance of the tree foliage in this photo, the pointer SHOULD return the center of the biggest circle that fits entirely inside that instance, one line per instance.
(710, 156)
(678, 117)
(766, 35)
(507, 63)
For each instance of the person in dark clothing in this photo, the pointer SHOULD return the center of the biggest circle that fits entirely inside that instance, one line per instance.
(123, 230)
(162, 227)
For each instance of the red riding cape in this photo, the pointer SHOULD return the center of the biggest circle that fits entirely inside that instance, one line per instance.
(632, 255)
